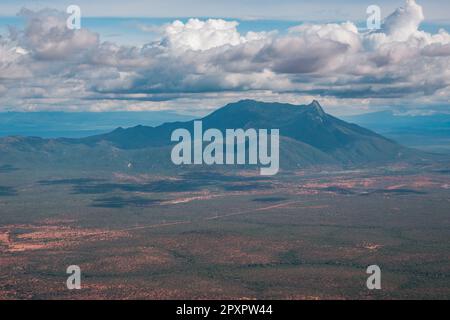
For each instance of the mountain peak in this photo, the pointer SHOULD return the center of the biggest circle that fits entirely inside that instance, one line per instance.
(315, 105)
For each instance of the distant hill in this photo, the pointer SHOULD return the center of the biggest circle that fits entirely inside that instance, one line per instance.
(78, 124)
(309, 137)
(426, 132)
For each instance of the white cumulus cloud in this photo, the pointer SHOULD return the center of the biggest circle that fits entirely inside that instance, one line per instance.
(204, 35)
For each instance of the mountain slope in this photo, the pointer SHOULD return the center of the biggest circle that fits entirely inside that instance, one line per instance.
(309, 137)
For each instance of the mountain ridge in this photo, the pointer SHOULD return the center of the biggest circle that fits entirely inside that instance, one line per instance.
(309, 137)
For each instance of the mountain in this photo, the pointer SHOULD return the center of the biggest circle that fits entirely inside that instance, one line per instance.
(309, 137)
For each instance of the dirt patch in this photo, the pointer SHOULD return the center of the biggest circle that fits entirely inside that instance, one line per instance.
(20, 238)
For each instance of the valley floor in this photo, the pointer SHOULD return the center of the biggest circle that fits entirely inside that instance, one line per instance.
(205, 235)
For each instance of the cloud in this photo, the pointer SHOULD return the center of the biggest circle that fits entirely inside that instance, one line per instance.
(47, 37)
(204, 35)
(12, 62)
(46, 65)
(404, 22)
(344, 33)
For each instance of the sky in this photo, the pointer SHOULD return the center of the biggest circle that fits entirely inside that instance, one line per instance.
(242, 9)
(194, 57)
